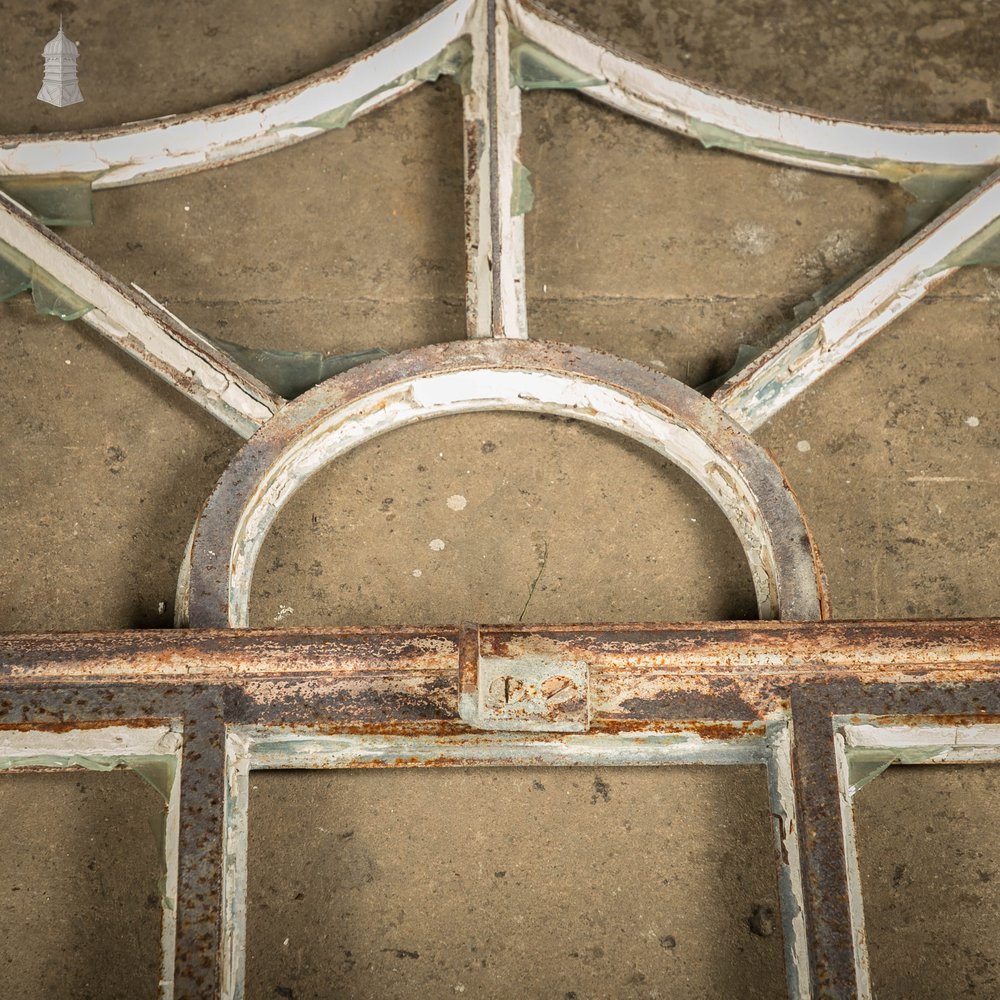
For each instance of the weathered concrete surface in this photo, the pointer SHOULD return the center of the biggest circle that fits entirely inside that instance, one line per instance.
(80, 909)
(492, 883)
(639, 243)
(927, 866)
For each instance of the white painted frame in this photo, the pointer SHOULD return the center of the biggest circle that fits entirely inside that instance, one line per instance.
(276, 748)
(100, 748)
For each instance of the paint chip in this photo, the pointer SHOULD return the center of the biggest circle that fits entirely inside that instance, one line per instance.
(283, 612)
(418, 573)
(803, 446)
(972, 421)
(456, 502)
(437, 544)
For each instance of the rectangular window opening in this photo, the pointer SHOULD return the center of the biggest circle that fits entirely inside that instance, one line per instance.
(569, 882)
(927, 855)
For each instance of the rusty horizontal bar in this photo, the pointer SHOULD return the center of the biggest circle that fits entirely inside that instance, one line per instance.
(711, 693)
(764, 652)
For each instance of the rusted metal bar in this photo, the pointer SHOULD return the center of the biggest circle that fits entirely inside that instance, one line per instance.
(818, 142)
(177, 144)
(657, 694)
(854, 316)
(141, 327)
(480, 376)
(835, 971)
(496, 305)
(198, 957)
(784, 695)
(740, 663)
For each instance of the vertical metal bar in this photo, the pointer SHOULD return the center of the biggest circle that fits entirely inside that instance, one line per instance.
(198, 957)
(494, 233)
(854, 899)
(838, 971)
(234, 876)
(168, 917)
(785, 820)
(478, 241)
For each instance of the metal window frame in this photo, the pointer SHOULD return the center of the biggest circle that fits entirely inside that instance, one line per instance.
(782, 694)
(795, 695)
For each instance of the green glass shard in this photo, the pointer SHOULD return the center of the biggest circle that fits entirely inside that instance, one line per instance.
(717, 137)
(13, 277)
(535, 68)
(936, 188)
(51, 298)
(291, 373)
(55, 199)
(982, 250)
(157, 771)
(336, 117)
(865, 765)
(522, 197)
(54, 299)
(453, 61)
(745, 353)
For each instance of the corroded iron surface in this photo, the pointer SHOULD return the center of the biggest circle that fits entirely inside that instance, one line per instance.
(700, 688)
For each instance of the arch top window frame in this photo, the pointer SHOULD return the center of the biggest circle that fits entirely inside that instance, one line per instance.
(799, 696)
(474, 40)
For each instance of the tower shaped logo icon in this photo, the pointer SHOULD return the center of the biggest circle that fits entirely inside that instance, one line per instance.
(59, 85)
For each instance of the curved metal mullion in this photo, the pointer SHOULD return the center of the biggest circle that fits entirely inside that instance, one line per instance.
(163, 147)
(818, 142)
(488, 376)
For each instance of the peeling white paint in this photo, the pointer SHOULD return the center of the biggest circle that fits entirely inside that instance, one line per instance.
(489, 389)
(174, 144)
(870, 303)
(821, 143)
(143, 328)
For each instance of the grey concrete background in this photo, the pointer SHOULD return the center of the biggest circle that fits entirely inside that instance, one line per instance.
(639, 243)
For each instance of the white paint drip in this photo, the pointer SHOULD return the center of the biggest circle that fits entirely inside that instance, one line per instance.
(456, 502)
(436, 544)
